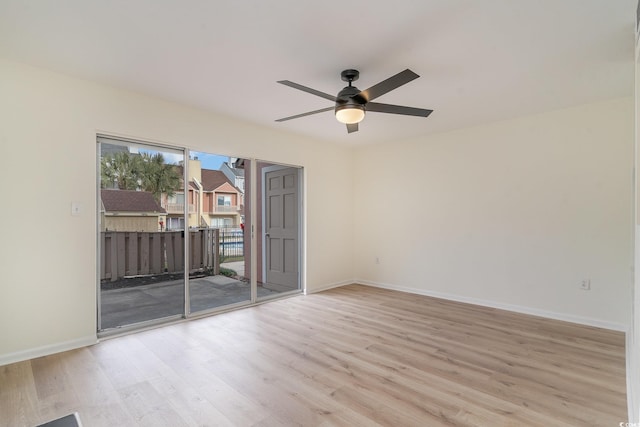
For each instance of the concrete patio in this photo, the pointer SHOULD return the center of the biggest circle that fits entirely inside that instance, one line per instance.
(136, 304)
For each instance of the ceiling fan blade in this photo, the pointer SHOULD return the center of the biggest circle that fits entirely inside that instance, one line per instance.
(388, 85)
(322, 110)
(308, 90)
(353, 127)
(397, 109)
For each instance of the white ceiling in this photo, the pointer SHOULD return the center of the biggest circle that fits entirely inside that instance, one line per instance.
(479, 61)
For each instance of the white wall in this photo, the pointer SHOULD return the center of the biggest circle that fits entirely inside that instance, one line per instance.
(513, 214)
(48, 125)
(633, 337)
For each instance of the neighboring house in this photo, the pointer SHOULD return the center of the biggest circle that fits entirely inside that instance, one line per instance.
(213, 200)
(234, 173)
(130, 210)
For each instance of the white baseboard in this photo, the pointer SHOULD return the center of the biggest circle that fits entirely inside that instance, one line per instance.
(328, 286)
(502, 306)
(46, 350)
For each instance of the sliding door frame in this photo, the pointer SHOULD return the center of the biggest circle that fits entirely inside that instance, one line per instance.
(254, 263)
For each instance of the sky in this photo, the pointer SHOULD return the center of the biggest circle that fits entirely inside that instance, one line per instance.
(209, 161)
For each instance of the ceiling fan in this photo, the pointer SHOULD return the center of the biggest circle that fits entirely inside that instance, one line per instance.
(352, 103)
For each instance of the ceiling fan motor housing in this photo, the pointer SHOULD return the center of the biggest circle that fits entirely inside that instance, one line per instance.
(348, 99)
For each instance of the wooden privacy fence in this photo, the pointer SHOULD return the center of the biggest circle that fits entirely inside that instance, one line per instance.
(128, 253)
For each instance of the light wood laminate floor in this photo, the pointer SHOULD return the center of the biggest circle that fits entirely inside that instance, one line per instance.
(351, 356)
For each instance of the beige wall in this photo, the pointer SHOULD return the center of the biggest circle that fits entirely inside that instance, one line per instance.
(513, 214)
(633, 337)
(51, 121)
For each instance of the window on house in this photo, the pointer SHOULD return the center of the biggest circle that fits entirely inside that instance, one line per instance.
(175, 224)
(177, 199)
(224, 200)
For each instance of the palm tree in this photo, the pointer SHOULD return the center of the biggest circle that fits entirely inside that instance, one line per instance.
(146, 172)
(121, 170)
(158, 177)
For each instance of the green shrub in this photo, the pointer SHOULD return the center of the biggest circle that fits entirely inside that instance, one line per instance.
(228, 272)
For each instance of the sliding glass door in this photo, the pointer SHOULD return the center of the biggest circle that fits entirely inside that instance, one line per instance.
(178, 232)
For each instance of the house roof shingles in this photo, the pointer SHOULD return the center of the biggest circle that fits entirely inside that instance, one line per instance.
(129, 201)
(212, 179)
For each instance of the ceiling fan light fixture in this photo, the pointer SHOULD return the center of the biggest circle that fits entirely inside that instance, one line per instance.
(350, 114)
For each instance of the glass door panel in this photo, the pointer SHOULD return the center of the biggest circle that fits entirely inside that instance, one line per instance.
(218, 244)
(141, 233)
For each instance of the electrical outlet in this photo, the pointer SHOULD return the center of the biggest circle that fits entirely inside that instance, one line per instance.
(585, 285)
(377, 260)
